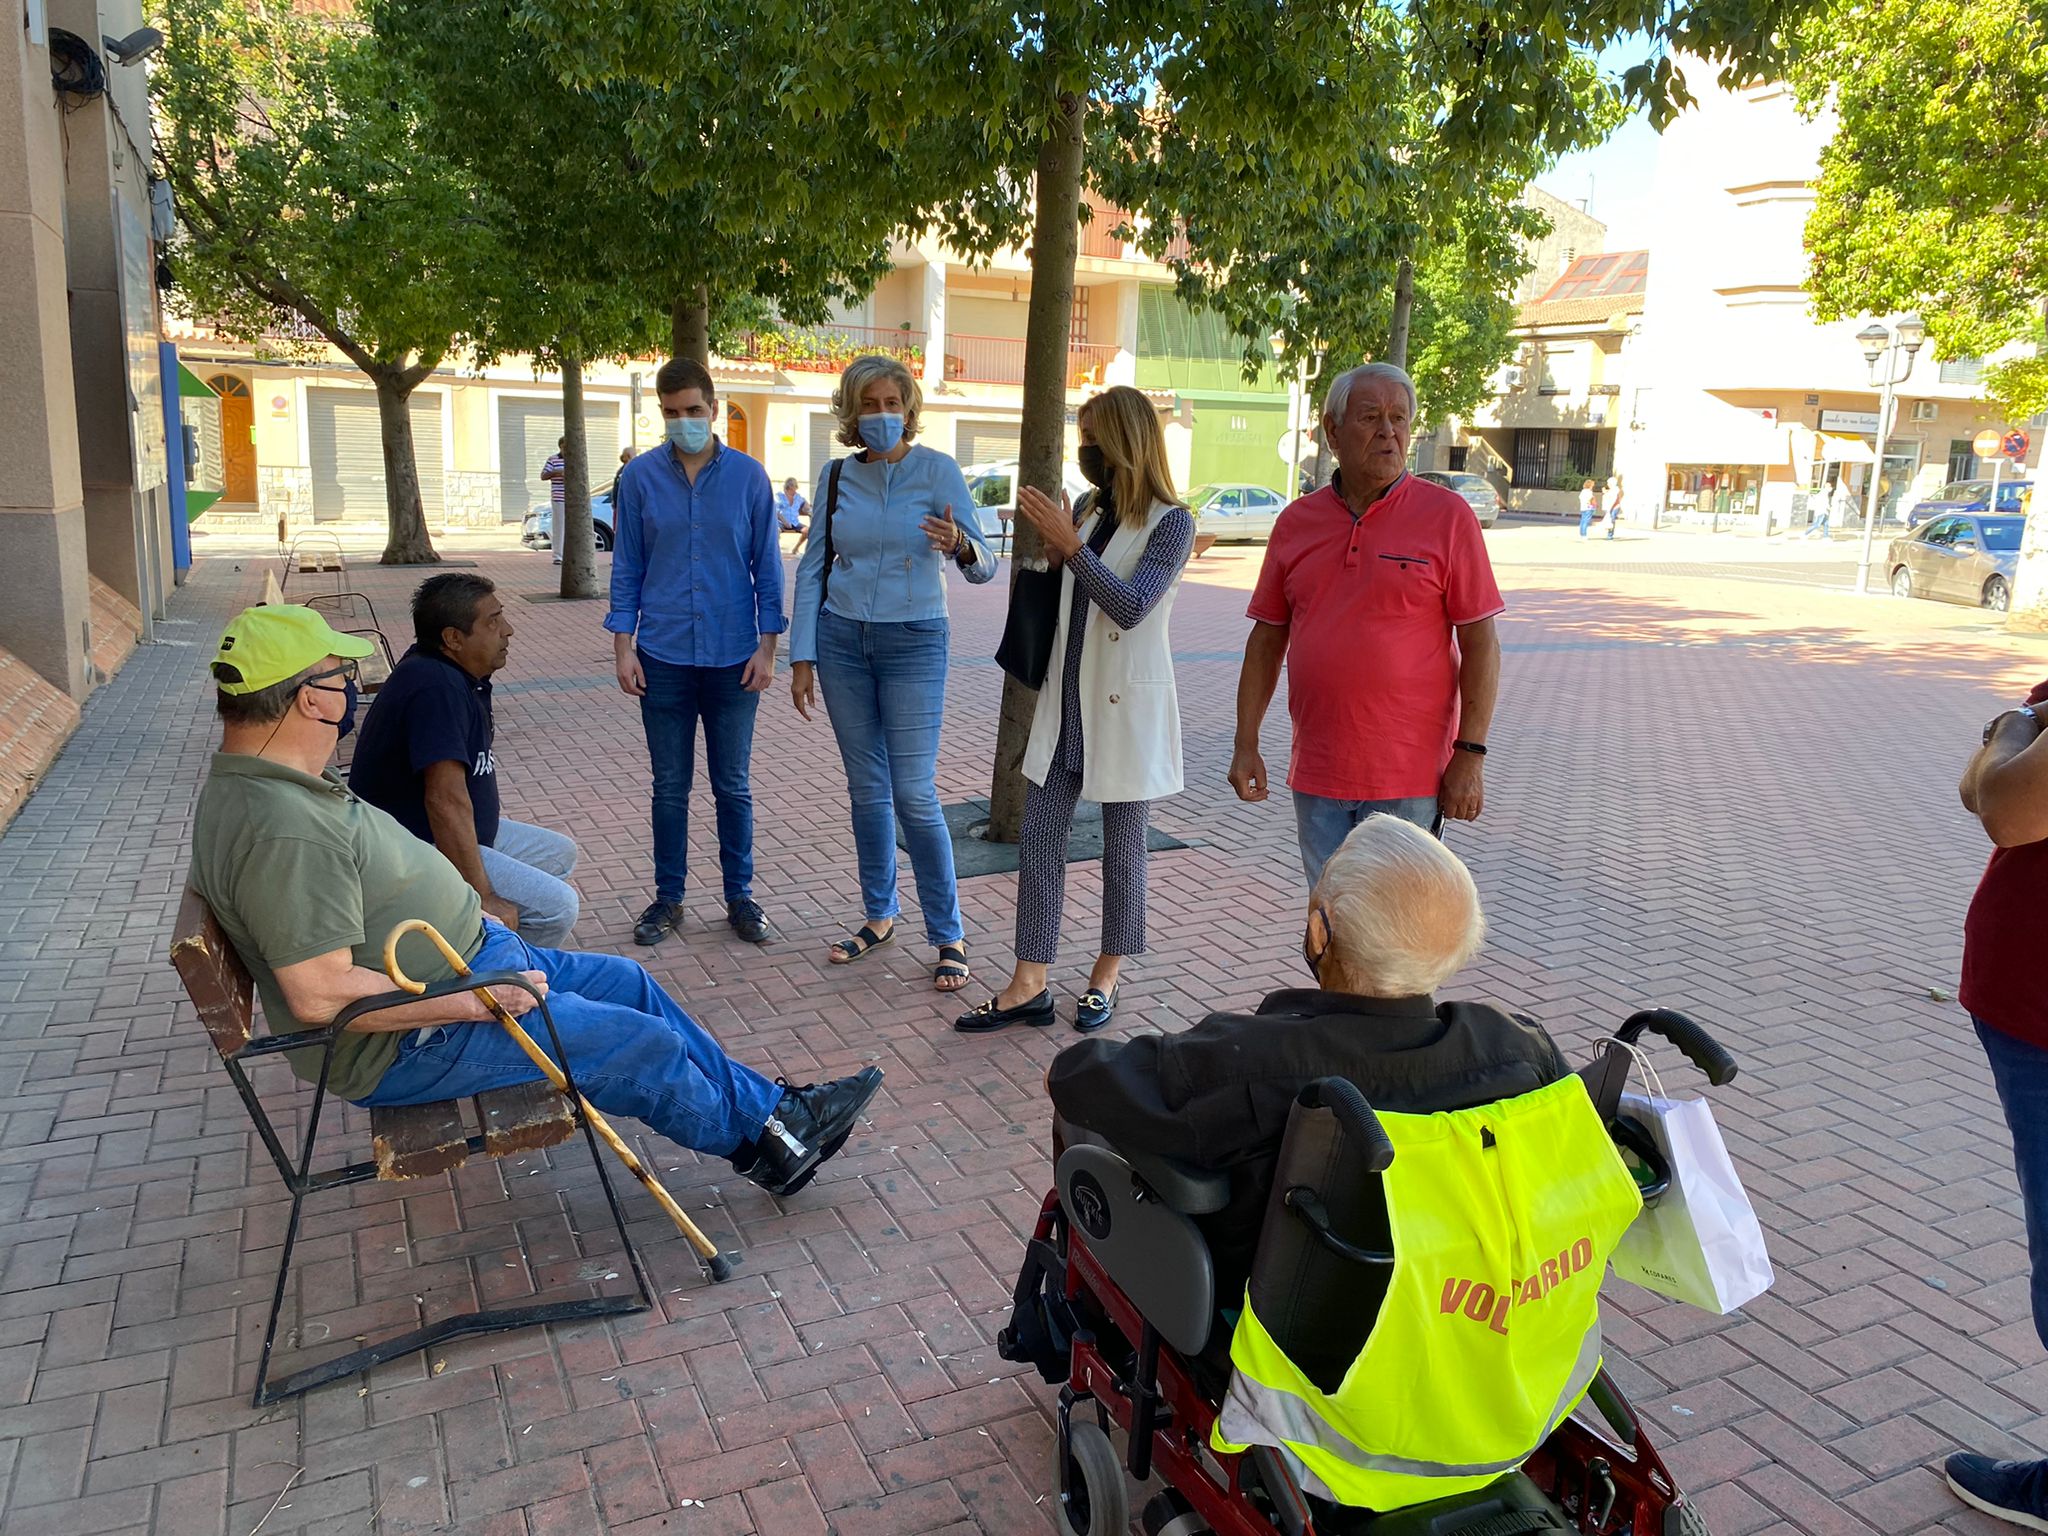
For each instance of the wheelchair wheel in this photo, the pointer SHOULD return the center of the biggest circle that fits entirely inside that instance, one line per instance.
(1096, 1503)
(1690, 1521)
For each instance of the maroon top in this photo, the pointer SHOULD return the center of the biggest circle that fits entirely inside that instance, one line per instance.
(2002, 939)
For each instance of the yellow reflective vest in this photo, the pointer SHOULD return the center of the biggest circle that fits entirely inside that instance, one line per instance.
(1503, 1218)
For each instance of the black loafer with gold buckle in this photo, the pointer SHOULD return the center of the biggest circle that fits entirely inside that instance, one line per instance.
(1095, 1009)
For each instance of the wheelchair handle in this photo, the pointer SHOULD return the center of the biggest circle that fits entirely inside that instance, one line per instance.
(1340, 1096)
(1700, 1048)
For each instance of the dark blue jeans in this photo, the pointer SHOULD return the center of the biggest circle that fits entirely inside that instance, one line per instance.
(2020, 1072)
(631, 1050)
(676, 699)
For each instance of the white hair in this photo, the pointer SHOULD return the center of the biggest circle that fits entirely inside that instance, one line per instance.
(1339, 396)
(1404, 914)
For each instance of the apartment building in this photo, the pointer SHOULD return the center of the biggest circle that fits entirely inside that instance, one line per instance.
(293, 436)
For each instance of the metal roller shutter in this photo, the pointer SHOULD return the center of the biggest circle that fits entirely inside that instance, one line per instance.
(823, 449)
(528, 430)
(986, 442)
(347, 449)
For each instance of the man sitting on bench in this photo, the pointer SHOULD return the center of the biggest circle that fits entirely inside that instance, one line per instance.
(306, 881)
(1394, 916)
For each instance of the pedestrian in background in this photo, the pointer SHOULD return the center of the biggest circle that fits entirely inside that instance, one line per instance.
(869, 626)
(554, 470)
(2006, 788)
(790, 510)
(696, 614)
(1589, 507)
(1107, 722)
(1378, 565)
(1613, 504)
(625, 458)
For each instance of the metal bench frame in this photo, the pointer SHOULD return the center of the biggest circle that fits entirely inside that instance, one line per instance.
(302, 1179)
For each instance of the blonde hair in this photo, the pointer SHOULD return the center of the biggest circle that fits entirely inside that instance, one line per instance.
(1404, 914)
(1126, 428)
(854, 382)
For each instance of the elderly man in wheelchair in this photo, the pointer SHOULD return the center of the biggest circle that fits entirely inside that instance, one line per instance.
(1334, 1266)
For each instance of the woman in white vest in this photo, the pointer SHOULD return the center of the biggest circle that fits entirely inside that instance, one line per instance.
(1107, 727)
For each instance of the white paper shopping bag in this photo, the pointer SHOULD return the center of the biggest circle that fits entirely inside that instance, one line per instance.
(1701, 1242)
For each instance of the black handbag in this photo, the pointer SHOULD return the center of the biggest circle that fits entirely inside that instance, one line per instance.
(1028, 632)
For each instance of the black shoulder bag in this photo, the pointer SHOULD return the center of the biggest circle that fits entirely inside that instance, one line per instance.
(1026, 649)
(831, 506)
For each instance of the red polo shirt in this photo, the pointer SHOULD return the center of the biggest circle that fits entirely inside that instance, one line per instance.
(1372, 661)
(2002, 939)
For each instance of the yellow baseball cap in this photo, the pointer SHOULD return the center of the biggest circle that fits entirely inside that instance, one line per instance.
(268, 644)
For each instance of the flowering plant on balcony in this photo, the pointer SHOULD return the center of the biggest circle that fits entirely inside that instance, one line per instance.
(821, 351)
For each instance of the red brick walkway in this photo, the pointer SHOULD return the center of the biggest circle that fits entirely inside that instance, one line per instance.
(1695, 801)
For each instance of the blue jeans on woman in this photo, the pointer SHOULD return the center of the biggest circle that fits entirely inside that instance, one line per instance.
(885, 689)
(631, 1051)
(2020, 1073)
(676, 699)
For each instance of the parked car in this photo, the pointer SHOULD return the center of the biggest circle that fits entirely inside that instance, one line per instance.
(1479, 495)
(537, 532)
(1972, 496)
(1236, 511)
(1966, 559)
(994, 489)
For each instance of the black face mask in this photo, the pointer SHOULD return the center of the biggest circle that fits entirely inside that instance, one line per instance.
(347, 722)
(1094, 464)
(1311, 957)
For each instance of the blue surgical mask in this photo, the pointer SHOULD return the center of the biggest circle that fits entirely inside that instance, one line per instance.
(690, 434)
(882, 431)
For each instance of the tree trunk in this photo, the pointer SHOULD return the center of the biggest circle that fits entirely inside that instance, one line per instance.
(406, 541)
(1055, 241)
(1404, 308)
(575, 538)
(690, 325)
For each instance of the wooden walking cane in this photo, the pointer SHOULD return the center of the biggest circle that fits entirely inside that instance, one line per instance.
(719, 1265)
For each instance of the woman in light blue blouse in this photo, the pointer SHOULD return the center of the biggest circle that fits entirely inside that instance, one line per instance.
(868, 625)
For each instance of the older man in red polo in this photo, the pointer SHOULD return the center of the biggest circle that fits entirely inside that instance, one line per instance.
(1378, 596)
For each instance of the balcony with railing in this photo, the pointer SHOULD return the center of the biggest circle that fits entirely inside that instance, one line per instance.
(825, 348)
(1000, 360)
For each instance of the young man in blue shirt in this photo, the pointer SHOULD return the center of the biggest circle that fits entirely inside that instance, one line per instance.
(428, 756)
(696, 611)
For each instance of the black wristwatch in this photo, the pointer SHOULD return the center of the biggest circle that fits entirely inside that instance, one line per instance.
(1991, 727)
(1476, 748)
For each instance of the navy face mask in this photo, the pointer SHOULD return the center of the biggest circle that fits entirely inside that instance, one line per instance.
(347, 722)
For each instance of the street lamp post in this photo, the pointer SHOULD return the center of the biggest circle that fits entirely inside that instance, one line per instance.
(1884, 346)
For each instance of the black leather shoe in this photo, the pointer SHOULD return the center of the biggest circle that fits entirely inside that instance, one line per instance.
(659, 921)
(808, 1126)
(1095, 1009)
(748, 920)
(988, 1017)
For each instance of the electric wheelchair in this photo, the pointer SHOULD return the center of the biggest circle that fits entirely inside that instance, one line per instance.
(1116, 1304)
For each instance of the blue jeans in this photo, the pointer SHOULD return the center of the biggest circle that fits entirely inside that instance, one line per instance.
(885, 689)
(2020, 1073)
(1322, 825)
(525, 866)
(1586, 516)
(676, 699)
(631, 1050)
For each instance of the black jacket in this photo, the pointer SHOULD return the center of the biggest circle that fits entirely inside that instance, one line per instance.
(1218, 1095)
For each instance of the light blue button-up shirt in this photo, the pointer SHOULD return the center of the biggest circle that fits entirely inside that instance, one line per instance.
(696, 569)
(884, 570)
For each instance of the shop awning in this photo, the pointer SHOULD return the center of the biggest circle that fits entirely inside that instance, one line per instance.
(191, 385)
(1715, 433)
(1838, 448)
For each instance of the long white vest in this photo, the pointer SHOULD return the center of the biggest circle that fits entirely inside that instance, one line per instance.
(1130, 714)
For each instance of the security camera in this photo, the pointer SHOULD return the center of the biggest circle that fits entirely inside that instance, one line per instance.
(135, 47)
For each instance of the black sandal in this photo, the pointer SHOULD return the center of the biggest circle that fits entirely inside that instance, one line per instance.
(952, 962)
(846, 951)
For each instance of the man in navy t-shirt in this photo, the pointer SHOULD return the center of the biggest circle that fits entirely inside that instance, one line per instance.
(427, 757)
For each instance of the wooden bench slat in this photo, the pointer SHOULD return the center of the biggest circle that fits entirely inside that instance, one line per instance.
(214, 976)
(524, 1118)
(411, 1141)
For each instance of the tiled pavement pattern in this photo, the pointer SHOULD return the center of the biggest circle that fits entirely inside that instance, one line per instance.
(1692, 803)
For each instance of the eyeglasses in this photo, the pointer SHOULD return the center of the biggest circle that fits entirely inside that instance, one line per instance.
(349, 672)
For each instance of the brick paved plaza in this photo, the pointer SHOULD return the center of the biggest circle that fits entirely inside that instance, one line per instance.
(1731, 796)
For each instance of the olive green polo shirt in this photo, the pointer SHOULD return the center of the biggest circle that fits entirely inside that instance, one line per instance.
(295, 867)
